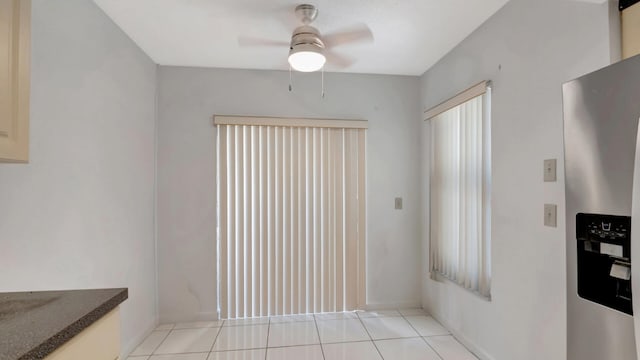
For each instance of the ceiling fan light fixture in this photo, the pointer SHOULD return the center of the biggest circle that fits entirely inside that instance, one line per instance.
(306, 58)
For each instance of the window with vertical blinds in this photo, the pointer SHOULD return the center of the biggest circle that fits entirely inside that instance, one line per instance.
(291, 215)
(460, 189)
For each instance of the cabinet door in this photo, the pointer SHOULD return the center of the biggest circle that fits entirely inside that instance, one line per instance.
(630, 24)
(14, 79)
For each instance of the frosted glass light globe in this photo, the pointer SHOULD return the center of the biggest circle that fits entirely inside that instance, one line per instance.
(306, 59)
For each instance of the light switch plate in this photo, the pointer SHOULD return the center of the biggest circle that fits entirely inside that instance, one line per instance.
(550, 215)
(398, 203)
(550, 170)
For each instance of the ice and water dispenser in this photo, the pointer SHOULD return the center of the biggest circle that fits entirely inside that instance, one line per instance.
(604, 260)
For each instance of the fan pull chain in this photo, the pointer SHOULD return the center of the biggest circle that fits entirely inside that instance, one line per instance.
(323, 81)
(290, 81)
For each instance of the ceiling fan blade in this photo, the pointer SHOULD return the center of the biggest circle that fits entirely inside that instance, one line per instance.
(252, 41)
(338, 61)
(360, 33)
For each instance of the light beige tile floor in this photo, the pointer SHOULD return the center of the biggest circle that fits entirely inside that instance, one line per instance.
(404, 334)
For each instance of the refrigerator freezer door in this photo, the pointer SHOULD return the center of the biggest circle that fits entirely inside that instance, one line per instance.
(601, 112)
(635, 248)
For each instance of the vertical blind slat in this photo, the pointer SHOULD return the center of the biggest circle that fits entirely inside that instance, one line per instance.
(286, 222)
(317, 221)
(360, 219)
(294, 269)
(240, 224)
(246, 254)
(264, 218)
(271, 242)
(255, 217)
(324, 220)
(302, 230)
(221, 193)
(279, 223)
(336, 239)
(351, 165)
(310, 221)
(232, 224)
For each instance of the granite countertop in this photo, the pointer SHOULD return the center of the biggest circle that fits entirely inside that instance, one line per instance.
(34, 324)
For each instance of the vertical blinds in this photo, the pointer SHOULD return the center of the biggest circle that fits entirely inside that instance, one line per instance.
(291, 215)
(459, 195)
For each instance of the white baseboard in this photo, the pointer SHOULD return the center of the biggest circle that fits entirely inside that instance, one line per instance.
(207, 316)
(177, 317)
(390, 306)
(478, 351)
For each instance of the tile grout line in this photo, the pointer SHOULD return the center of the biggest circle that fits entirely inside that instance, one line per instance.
(357, 341)
(326, 343)
(432, 348)
(291, 323)
(216, 338)
(188, 352)
(266, 346)
(160, 343)
(315, 321)
(370, 337)
(422, 337)
(442, 335)
(249, 324)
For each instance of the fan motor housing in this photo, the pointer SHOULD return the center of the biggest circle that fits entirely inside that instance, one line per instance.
(306, 35)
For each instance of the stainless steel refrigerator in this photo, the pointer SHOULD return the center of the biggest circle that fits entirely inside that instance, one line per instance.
(601, 113)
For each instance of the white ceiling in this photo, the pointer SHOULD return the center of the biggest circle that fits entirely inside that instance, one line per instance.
(410, 35)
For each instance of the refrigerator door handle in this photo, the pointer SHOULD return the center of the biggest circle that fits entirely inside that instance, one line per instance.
(635, 244)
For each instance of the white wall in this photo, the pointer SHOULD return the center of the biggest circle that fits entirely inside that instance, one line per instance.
(188, 97)
(528, 49)
(81, 213)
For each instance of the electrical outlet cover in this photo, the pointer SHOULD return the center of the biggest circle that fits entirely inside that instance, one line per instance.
(550, 170)
(398, 203)
(550, 215)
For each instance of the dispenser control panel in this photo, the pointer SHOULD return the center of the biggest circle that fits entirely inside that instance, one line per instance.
(604, 260)
(605, 234)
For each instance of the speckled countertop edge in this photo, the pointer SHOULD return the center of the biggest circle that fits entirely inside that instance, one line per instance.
(54, 342)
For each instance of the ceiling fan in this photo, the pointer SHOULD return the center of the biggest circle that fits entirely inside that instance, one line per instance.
(308, 49)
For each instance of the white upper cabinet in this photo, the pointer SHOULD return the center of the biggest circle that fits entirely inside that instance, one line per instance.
(15, 36)
(630, 24)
